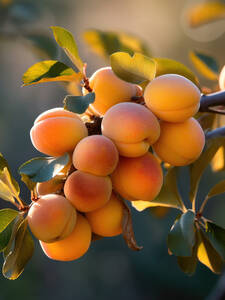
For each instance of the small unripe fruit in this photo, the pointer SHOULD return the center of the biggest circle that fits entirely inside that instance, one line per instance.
(57, 131)
(51, 218)
(72, 247)
(87, 192)
(180, 143)
(172, 98)
(107, 220)
(132, 127)
(138, 178)
(110, 90)
(96, 154)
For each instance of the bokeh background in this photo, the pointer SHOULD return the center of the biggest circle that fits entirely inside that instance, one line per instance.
(109, 270)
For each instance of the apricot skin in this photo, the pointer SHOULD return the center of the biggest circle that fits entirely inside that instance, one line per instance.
(107, 220)
(87, 192)
(96, 154)
(180, 143)
(132, 127)
(110, 90)
(72, 247)
(51, 186)
(51, 218)
(222, 79)
(172, 98)
(138, 178)
(57, 131)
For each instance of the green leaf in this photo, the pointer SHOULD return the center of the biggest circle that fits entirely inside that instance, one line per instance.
(170, 66)
(206, 12)
(78, 104)
(198, 167)
(29, 183)
(181, 238)
(188, 264)
(65, 40)
(205, 64)
(216, 236)
(7, 217)
(105, 43)
(41, 169)
(23, 250)
(8, 191)
(219, 188)
(42, 45)
(207, 255)
(168, 196)
(49, 71)
(134, 69)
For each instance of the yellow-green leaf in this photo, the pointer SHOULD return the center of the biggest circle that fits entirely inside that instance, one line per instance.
(205, 12)
(168, 196)
(7, 217)
(105, 43)
(219, 188)
(65, 40)
(198, 167)
(205, 64)
(16, 260)
(170, 66)
(6, 181)
(207, 255)
(49, 71)
(4, 164)
(134, 69)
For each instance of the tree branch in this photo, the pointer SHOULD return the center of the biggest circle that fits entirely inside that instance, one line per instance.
(214, 103)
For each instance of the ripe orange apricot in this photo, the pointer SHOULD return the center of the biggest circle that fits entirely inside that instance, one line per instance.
(57, 131)
(132, 127)
(51, 186)
(138, 178)
(51, 218)
(72, 247)
(96, 154)
(107, 220)
(87, 192)
(222, 79)
(180, 143)
(110, 90)
(172, 97)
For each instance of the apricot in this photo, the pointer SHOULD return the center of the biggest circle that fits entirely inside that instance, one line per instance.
(110, 90)
(180, 143)
(222, 79)
(51, 218)
(87, 192)
(96, 154)
(107, 220)
(57, 131)
(172, 97)
(72, 247)
(51, 186)
(132, 127)
(138, 178)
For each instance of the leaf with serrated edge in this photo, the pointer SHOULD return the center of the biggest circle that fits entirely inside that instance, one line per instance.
(134, 69)
(216, 236)
(207, 255)
(49, 71)
(168, 196)
(78, 104)
(205, 64)
(23, 250)
(44, 168)
(181, 238)
(7, 217)
(198, 167)
(170, 66)
(65, 40)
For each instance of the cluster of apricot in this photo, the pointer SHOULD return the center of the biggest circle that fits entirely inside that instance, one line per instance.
(74, 204)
